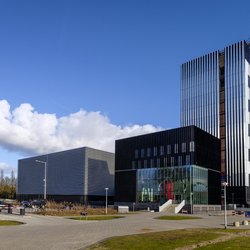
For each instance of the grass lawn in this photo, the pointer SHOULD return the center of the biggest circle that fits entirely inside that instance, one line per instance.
(101, 217)
(10, 223)
(176, 217)
(160, 240)
(238, 243)
(175, 239)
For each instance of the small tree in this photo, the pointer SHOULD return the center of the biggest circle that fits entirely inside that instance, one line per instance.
(7, 186)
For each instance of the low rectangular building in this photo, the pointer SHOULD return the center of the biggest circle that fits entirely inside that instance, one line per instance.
(77, 175)
(178, 164)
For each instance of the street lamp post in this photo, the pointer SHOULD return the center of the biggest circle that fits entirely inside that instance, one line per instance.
(225, 184)
(106, 189)
(191, 202)
(45, 177)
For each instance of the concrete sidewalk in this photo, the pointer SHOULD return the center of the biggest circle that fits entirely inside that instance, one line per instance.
(47, 232)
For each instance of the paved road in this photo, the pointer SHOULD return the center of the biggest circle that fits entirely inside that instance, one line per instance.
(47, 232)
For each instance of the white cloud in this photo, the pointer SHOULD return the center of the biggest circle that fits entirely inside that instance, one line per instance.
(6, 168)
(27, 131)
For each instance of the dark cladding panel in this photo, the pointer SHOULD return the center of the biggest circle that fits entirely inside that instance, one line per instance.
(207, 150)
(237, 195)
(125, 154)
(30, 177)
(66, 172)
(100, 172)
(214, 183)
(99, 179)
(125, 148)
(125, 186)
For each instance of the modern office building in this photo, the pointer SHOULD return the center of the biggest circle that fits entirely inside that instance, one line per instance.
(77, 175)
(215, 96)
(173, 164)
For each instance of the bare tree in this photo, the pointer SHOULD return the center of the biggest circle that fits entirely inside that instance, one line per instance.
(2, 177)
(12, 179)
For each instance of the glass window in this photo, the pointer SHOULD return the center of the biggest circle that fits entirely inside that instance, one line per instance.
(152, 163)
(183, 147)
(155, 151)
(172, 161)
(148, 152)
(133, 164)
(136, 153)
(176, 148)
(168, 149)
(192, 146)
(158, 162)
(139, 164)
(187, 159)
(179, 160)
(142, 153)
(177, 183)
(162, 150)
(248, 105)
(145, 164)
(165, 161)
(248, 154)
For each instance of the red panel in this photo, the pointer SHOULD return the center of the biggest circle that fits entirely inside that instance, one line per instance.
(169, 190)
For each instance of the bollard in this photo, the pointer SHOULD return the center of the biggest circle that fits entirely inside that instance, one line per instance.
(245, 222)
(84, 214)
(236, 223)
(9, 209)
(22, 211)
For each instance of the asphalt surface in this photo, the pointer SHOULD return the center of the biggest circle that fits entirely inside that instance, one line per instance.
(54, 233)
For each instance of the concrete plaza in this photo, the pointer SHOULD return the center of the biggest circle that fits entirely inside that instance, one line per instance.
(47, 232)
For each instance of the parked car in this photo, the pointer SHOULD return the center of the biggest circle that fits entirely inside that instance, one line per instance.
(38, 203)
(3, 204)
(25, 204)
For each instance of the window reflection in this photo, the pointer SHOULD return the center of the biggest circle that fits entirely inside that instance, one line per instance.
(176, 183)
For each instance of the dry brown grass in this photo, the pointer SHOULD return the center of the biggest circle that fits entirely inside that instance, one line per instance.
(70, 209)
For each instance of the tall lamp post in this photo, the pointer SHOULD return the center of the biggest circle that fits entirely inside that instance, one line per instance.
(45, 177)
(225, 184)
(191, 202)
(106, 189)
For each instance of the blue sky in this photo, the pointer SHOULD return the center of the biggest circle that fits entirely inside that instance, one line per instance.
(121, 58)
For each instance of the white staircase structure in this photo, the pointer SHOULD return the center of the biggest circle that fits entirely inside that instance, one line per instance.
(165, 205)
(171, 208)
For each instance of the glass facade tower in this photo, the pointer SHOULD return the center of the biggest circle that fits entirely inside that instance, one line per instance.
(215, 96)
(200, 93)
